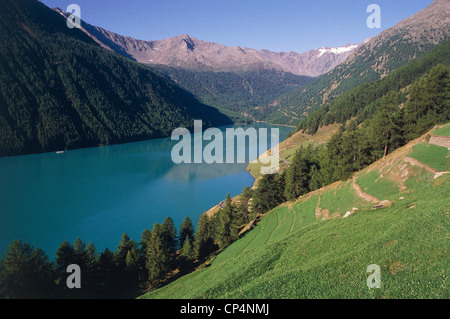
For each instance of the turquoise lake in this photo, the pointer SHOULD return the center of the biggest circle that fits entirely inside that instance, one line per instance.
(100, 193)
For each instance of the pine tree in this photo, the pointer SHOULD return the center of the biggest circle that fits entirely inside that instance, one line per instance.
(91, 273)
(79, 249)
(131, 274)
(170, 234)
(297, 176)
(108, 283)
(144, 243)
(26, 272)
(227, 229)
(125, 245)
(126, 259)
(386, 124)
(269, 193)
(65, 256)
(243, 208)
(131, 261)
(428, 102)
(159, 259)
(187, 257)
(203, 243)
(186, 230)
(146, 237)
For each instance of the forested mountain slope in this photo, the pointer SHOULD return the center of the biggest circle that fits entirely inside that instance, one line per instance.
(361, 102)
(59, 89)
(237, 92)
(373, 60)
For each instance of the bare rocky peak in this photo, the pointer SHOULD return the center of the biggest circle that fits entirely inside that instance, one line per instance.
(188, 52)
(437, 14)
(429, 26)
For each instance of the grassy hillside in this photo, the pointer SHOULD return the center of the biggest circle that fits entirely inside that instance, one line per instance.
(362, 102)
(442, 131)
(288, 147)
(307, 249)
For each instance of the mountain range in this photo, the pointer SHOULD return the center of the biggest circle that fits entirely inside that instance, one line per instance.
(185, 51)
(235, 80)
(68, 88)
(375, 59)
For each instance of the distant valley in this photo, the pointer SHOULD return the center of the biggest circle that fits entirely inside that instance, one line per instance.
(236, 80)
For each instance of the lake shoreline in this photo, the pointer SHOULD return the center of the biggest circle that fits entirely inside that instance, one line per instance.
(48, 198)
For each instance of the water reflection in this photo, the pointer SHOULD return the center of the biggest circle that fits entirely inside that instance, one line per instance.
(100, 193)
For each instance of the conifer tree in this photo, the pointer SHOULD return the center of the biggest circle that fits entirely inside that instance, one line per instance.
(429, 101)
(65, 256)
(26, 272)
(159, 259)
(386, 125)
(244, 209)
(297, 177)
(144, 243)
(126, 263)
(125, 245)
(131, 274)
(186, 230)
(269, 193)
(227, 229)
(107, 274)
(203, 241)
(170, 234)
(187, 257)
(91, 273)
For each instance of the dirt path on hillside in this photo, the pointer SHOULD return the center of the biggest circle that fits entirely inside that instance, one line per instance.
(415, 162)
(443, 141)
(367, 197)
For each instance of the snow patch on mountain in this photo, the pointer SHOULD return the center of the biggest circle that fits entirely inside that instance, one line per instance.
(338, 50)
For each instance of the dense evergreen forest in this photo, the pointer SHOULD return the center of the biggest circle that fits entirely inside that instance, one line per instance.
(163, 254)
(361, 102)
(59, 89)
(372, 62)
(355, 146)
(236, 92)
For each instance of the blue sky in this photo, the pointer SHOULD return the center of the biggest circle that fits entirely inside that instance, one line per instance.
(276, 25)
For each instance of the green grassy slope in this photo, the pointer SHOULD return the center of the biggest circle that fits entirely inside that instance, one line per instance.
(294, 253)
(442, 131)
(431, 155)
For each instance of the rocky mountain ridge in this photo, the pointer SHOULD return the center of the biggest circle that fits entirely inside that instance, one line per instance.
(190, 53)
